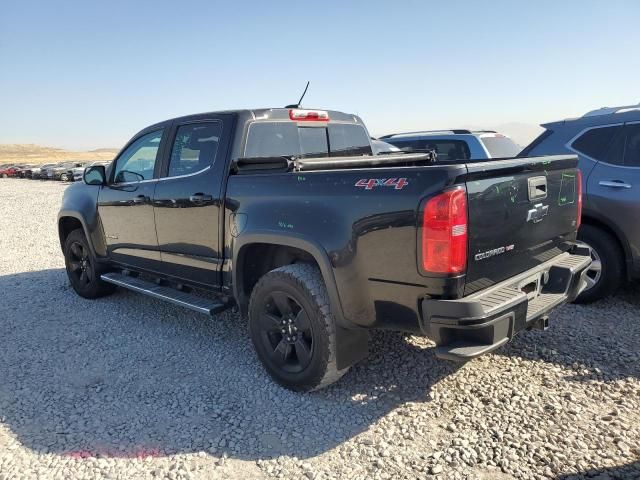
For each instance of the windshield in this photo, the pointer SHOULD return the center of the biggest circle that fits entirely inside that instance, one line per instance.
(275, 139)
(500, 146)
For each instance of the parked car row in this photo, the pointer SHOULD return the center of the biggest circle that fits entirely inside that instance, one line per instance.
(65, 171)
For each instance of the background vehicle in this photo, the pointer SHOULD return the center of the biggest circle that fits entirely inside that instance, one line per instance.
(379, 147)
(63, 171)
(287, 214)
(39, 172)
(7, 170)
(457, 144)
(607, 142)
(58, 170)
(21, 172)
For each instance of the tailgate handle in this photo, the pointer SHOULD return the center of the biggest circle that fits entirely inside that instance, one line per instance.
(537, 188)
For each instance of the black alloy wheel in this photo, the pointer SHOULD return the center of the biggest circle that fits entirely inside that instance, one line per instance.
(286, 333)
(80, 264)
(292, 328)
(82, 268)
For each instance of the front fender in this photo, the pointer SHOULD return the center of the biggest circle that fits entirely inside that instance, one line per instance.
(80, 203)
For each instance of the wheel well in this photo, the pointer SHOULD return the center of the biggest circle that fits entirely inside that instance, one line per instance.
(66, 225)
(257, 259)
(603, 226)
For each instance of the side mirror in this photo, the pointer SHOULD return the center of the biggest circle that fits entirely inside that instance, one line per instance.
(95, 175)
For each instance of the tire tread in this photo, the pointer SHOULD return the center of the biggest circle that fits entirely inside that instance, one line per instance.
(309, 279)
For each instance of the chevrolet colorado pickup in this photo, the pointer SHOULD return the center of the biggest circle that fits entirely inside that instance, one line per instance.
(288, 216)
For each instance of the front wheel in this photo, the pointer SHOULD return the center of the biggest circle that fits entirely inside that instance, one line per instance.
(292, 328)
(82, 269)
(64, 177)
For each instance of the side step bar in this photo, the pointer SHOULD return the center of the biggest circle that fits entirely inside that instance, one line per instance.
(168, 294)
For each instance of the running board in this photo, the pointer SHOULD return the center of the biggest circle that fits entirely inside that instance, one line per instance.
(168, 294)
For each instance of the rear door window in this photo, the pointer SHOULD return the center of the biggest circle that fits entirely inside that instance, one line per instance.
(595, 143)
(195, 148)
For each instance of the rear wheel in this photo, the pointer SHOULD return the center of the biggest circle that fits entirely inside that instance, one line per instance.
(292, 328)
(606, 272)
(4, 175)
(82, 269)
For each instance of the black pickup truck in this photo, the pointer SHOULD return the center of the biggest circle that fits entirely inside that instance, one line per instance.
(287, 215)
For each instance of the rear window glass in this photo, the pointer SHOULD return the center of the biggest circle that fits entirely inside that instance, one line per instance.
(446, 150)
(313, 141)
(500, 147)
(595, 142)
(348, 140)
(274, 139)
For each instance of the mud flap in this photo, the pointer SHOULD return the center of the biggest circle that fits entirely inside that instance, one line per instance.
(352, 345)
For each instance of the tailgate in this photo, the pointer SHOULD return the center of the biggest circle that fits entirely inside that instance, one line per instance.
(522, 212)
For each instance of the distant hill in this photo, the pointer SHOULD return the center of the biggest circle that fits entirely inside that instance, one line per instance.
(30, 153)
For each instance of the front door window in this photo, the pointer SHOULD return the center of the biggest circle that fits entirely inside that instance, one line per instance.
(138, 161)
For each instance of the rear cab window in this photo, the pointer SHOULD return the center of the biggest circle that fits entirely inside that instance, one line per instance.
(275, 139)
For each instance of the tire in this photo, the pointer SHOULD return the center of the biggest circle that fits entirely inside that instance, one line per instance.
(4, 175)
(82, 269)
(607, 271)
(64, 177)
(292, 328)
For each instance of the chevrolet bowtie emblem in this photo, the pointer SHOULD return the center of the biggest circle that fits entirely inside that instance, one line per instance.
(537, 213)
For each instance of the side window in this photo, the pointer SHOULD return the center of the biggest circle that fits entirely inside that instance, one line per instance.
(595, 142)
(615, 153)
(194, 148)
(138, 161)
(632, 150)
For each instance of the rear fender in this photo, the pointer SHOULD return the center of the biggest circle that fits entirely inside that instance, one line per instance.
(352, 342)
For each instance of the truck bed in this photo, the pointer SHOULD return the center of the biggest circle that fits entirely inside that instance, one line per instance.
(365, 213)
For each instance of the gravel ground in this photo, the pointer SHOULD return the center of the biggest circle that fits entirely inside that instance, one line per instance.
(131, 388)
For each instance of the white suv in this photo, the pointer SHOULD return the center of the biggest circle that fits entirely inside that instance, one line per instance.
(457, 144)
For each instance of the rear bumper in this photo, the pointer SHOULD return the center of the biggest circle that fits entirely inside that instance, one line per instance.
(469, 327)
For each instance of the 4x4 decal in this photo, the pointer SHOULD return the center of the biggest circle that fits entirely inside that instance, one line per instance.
(370, 183)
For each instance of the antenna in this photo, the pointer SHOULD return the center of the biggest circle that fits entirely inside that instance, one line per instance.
(297, 105)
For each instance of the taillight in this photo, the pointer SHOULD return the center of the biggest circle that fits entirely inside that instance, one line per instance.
(298, 115)
(444, 233)
(579, 192)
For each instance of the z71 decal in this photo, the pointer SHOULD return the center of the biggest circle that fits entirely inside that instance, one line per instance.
(369, 183)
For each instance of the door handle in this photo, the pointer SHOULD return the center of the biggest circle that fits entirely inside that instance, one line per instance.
(140, 199)
(200, 198)
(614, 184)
